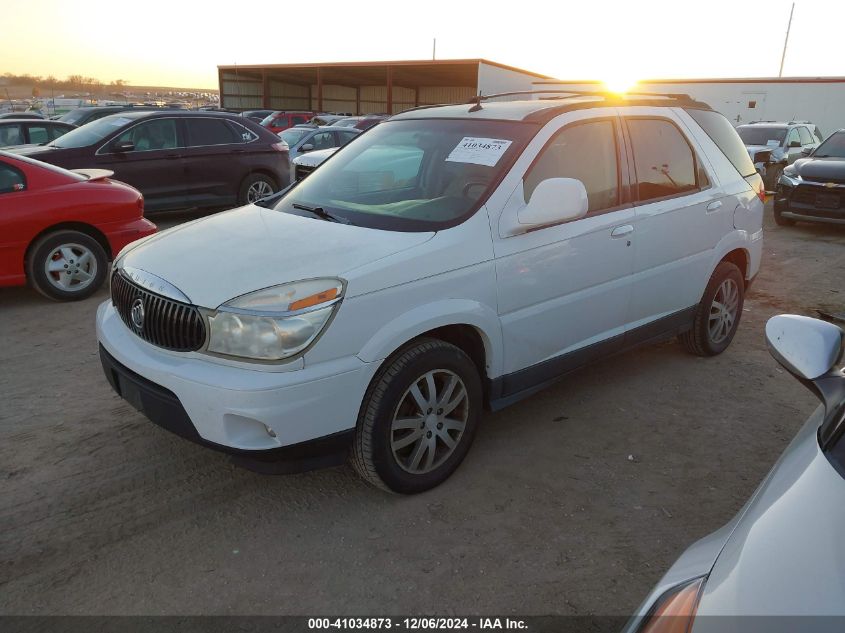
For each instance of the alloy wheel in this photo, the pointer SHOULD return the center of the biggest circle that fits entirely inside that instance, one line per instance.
(723, 311)
(429, 422)
(71, 267)
(257, 190)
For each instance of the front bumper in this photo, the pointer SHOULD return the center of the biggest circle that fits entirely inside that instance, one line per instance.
(311, 412)
(810, 201)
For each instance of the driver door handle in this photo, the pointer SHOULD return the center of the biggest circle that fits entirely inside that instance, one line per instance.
(622, 231)
(714, 206)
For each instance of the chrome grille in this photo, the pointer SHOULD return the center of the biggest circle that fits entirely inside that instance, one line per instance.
(165, 323)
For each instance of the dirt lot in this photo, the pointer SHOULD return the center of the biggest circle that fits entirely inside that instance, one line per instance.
(104, 513)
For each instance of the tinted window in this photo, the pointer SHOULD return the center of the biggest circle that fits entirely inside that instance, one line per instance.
(242, 134)
(586, 152)
(56, 131)
(11, 135)
(722, 133)
(149, 136)
(804, 134)
(210, 132)
(663, 159)
(345, 137)
(299, 120)
(322, 140)
(11, 179)
(38, 134)
(834, 146)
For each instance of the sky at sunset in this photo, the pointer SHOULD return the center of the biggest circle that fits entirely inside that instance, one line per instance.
(180, 42)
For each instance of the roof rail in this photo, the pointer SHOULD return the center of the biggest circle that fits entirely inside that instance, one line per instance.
(794, 122)
(476, 100)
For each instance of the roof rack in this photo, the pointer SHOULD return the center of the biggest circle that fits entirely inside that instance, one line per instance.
(796, 122)
(476, 100)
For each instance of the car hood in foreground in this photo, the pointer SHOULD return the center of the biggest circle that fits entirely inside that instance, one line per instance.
(229, 254)
(786, 555)
(821, 169)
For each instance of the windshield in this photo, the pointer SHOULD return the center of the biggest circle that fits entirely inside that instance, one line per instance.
(771, 136)
(266, 121)
(73, 116)
(833, 147)
(91, 133)
(293, 135)
(413, 175)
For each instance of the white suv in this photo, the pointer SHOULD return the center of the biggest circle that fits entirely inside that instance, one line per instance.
(453, 258)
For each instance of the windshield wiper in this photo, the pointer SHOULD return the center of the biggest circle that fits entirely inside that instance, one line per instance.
(320, 212)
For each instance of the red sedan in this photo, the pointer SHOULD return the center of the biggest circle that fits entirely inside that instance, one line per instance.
(59, 229)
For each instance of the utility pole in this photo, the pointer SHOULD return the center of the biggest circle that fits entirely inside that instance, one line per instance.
(786, 41)
(434, 50)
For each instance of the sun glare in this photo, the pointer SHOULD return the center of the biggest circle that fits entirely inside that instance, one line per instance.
(620, 84)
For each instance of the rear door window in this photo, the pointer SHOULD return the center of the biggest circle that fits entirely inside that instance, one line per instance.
(56, 131)
(723, 134)
(345, 137)
(663, 159)
(322, 140)
(204, 132)
(586, 152)
(792, 137)
(38, 134)
(11, 179)
(299, 119)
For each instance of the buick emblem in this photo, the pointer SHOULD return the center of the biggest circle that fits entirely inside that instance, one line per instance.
(136, 314)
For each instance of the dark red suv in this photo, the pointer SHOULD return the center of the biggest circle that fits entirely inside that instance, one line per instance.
(177, 159)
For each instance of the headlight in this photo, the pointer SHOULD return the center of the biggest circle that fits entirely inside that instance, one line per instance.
(274, 323)
(675, 610)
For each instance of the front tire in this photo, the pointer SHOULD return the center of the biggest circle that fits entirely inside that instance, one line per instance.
(256, 186)
(67, 265)
(418, 418)
(717, 316)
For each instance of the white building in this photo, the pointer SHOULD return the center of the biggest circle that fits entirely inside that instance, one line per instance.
(817, 99)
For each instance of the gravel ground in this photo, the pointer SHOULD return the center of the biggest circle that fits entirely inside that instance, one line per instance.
(104, 513)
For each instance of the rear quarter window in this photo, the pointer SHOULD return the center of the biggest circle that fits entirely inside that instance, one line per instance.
(723, 134)
(11, 179)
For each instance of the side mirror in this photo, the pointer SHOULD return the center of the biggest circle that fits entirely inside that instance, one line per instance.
(795, 144)
(807, 348)
(806, 151)
(811, 350)
(306, 148)
(125, 146)
(555, 200)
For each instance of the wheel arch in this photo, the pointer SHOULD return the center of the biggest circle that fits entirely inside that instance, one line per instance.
(82, 227)
(469, 325)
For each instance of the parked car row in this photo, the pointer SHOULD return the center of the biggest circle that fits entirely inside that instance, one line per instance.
(773, 145)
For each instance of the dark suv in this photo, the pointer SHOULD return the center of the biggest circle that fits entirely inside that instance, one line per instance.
(813, 188)
(177, 159)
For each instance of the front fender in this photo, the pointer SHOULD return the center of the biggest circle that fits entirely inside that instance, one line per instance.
(420, 319)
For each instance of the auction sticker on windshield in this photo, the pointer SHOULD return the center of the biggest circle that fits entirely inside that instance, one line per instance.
(478, 151)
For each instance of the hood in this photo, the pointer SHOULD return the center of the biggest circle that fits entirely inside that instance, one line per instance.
(821, 169)
(312, 159)
(787, 554)
(220, 257)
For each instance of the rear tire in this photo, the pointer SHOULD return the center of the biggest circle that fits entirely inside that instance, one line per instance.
(718, 314)
(256, 186)
(67, 265)
(418, 417)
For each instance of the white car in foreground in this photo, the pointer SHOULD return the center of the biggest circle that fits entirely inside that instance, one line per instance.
(449, 259)
(779, 565)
